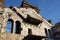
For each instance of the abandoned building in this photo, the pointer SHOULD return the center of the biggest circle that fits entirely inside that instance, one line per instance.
(23, 23)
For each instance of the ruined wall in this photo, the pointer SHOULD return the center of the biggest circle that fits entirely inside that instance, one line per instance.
(9, 14)
(4, 18)
(10, 36)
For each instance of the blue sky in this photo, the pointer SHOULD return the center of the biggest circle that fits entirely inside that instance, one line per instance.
(50, 9)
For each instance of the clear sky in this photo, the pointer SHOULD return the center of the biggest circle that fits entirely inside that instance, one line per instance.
(50, 9)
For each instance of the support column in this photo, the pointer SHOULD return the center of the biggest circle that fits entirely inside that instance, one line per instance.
(3, 26)
(14, 27)
(1, 22)
(0, 30)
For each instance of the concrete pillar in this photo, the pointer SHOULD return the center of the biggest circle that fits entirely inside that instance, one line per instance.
(14, 28)
(0, 30)
(1, 22)
(3, 28)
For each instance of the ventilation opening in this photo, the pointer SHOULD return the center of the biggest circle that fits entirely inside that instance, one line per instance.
(1, 14)
(29, 32)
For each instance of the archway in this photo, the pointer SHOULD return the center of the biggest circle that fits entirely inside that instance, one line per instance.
(9, 26)
(18, 27)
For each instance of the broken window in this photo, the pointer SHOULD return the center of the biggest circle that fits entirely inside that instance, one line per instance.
(50, 34)
(29, 31)
(18, 27)
(46, 32)
(0, 13)
(9, 26)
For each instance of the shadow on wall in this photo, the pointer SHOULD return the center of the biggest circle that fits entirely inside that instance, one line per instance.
(33, 37)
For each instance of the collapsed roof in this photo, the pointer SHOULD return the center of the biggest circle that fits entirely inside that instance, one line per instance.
(27, 5)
